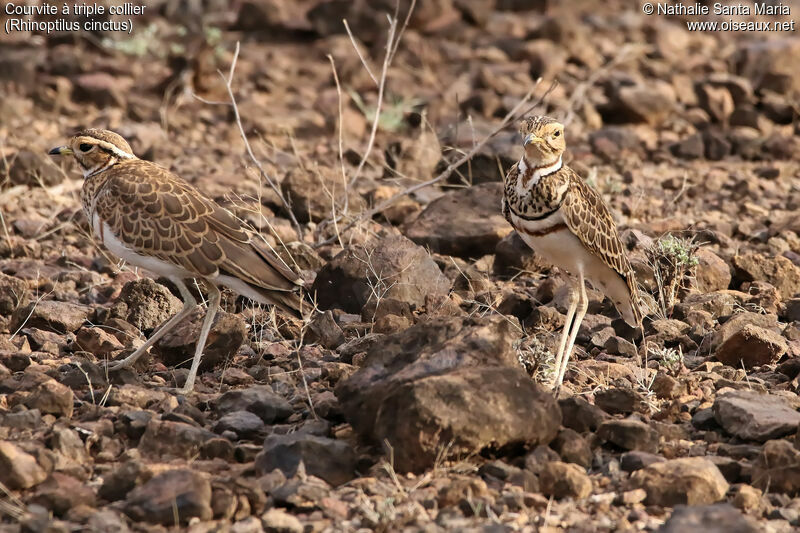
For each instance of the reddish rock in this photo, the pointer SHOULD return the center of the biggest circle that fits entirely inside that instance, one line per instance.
(564, 480)
(18, 469)
(751, 346)
(174, 494)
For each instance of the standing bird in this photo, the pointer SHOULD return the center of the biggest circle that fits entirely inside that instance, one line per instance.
(567, 223)
(155, 220)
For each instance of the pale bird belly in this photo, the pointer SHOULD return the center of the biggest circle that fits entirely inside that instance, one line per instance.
(563, 249)
(104, 234)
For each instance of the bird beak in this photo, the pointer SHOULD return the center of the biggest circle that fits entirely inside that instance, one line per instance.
(61, 150)
(531, 138)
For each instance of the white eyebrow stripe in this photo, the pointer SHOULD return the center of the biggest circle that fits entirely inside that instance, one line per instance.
(117, 151)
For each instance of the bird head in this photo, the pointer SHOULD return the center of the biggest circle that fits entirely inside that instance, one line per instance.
(95, 150)
(543, 139)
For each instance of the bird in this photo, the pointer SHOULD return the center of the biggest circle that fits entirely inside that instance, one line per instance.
(567, 223)
(155, 220)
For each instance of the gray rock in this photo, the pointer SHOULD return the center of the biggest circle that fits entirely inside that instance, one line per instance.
(50, 315)
(244, 424)
(465, 222)
(717, 518)
(328, 459)
(59, 493)
(688, 481)
(750, 415)
(629, 434)
(260, 400)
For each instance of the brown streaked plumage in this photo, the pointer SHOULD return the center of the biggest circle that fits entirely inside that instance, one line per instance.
(155, 220)
(566, 222)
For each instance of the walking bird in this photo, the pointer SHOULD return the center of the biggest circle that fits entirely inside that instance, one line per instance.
(155, 220)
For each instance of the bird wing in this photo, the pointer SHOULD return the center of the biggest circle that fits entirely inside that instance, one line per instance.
(156, 213)
(588, 217)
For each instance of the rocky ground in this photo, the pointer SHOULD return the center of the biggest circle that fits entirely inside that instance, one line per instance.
(410, 402)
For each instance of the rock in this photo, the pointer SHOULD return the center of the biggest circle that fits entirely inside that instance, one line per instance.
(51, 397)
(228, 332)
(770, 64)
(688, 481)
(172, 439)
(101, 88)
(18, 469)
(462, 407)
(572, 448)
(50, 315)
(145, 304)
(174, 494)
(629, 434)
(691, 147)
(777, 468)
(260, 400)
(712, 273)
(324, 330)
(13, 294)
(580, 415)
(310, 192)
(715, 100)
(328, 459)
(750, 415)
(244, 424)
(564, 480)
(748, 498)
(619, 400)
(751, 346)
(453, 378)
(778, 271)
(717, 518)
(279, 521)
(123, 479)
(33, 169)
(59, 493)
(107, 521)
(512, 256)
(97, 341)
(636, 460)
(738, 321)
(465, 222)
(645, 102)
(394, 266)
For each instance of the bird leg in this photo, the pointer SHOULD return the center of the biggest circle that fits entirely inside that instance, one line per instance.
(572, 305)
(583, 305)
(213, 305)
(189, 303)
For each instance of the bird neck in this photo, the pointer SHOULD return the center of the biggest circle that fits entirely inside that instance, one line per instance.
(99, 167)
(540, 167)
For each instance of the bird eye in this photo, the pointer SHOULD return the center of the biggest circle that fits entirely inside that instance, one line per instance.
(85, 147)
(557, 133)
